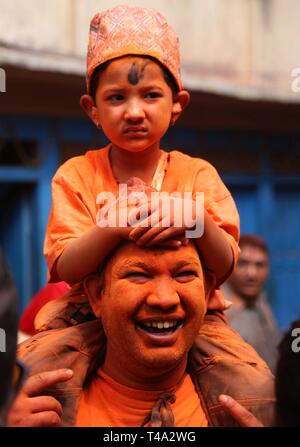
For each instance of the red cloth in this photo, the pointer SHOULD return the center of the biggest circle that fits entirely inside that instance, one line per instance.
(42, 297)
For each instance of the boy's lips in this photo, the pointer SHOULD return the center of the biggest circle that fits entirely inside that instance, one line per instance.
(135, 129)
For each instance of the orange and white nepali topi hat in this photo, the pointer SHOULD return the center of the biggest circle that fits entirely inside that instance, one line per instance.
(125, 30)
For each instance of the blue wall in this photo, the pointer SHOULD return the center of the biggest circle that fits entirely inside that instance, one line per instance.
(268, 203)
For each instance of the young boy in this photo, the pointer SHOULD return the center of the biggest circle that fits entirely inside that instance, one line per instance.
(135, 93)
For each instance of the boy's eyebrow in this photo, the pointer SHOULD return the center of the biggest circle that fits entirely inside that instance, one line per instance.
(113, 88)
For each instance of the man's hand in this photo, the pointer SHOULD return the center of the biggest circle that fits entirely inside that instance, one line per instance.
(31, 408)
(242, 416)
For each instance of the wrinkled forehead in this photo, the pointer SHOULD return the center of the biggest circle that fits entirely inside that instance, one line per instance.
(130, 252)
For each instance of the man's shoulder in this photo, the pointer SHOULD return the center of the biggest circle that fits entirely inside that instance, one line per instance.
(60, 348)
(217, 340)
(221, 362)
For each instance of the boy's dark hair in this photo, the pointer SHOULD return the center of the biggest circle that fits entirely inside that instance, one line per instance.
(287, 381)
(101, 68)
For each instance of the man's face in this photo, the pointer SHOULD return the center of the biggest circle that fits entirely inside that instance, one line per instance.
(250, 273)
(152, 305)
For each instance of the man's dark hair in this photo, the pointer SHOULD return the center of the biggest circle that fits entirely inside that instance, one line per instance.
(101, 68)
(287, 381)
(253, 240)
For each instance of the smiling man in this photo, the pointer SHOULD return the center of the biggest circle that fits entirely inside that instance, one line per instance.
(152, 304)
(160, 356)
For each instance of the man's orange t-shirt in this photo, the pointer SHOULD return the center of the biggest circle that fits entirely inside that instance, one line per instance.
(107, 403)
(78, 182)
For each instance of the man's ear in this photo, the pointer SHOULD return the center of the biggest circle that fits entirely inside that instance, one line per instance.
(93, 287)
(214, 298)
(88, 106)
(179, 104)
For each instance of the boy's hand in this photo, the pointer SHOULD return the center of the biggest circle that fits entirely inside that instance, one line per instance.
(166, 223)
(31, 408)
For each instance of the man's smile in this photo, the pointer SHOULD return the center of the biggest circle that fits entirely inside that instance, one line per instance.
(161, 330)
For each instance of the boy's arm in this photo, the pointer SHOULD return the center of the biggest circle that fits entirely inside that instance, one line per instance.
(84, 254)
(215, 248)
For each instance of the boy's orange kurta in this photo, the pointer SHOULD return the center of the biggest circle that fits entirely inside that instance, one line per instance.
(78, 182)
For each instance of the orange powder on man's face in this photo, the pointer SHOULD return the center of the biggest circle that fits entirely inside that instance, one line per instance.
(144, 286)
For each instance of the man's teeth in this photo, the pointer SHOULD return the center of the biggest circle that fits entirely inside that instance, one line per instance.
(161, 324)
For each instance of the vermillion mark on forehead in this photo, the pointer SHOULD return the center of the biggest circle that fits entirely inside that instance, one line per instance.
(136, 72)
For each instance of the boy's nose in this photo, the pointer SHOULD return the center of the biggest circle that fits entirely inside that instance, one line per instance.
(134, 111)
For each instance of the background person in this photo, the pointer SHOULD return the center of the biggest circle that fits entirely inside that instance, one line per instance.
(250, 314)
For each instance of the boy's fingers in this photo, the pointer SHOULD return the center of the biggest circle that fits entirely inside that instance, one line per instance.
(184, 240)
(177, 241)
(149, 235)
(165, 234)
(172, 243)
(140, 212)
(242, 416)
(37, 383)
(152, 221)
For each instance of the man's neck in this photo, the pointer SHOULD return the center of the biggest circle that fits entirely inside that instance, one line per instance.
(149, 379)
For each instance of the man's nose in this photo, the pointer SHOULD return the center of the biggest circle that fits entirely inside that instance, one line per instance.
(163, 296)
(251, 270)
(134, 110)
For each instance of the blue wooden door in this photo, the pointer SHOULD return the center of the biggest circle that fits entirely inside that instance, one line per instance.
(279, 225)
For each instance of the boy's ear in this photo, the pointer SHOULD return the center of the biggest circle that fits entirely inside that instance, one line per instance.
(179, 104)
(88, 106)
(93, 288)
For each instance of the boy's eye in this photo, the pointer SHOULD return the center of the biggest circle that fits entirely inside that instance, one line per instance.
(152, 95)
(115, 98)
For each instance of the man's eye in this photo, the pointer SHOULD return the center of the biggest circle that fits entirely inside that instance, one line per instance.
(186, 274)
(242, 264)
(136, 275)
